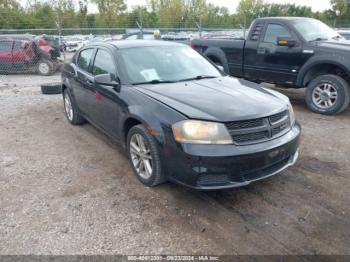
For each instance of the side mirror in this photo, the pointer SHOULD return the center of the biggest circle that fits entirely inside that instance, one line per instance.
(286, 41)
(107, 80)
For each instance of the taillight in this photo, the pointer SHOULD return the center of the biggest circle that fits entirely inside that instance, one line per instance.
(193, 45)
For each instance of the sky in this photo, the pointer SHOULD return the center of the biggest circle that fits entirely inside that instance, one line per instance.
(316, 5)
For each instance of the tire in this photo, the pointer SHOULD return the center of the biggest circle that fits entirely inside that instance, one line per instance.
(45, 67)
(156, 177)
(51, 89)
(71, 112)
(337, 86)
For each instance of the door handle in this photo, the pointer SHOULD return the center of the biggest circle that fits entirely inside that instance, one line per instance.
(262, 50)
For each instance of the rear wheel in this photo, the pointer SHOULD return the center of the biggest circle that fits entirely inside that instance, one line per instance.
(45, 67)
(71, 110)
(144, 156)
(328, 95)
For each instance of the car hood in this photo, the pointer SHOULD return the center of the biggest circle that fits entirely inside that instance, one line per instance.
(341, 44)
(221, 99)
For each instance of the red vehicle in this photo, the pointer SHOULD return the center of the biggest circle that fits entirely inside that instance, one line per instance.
(26, 55)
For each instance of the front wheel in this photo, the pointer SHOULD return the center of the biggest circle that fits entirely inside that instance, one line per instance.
(328, 95)
(144, 156)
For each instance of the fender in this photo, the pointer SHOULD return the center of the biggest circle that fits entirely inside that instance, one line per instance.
(146, 117)
(333, 59)
(220, 55)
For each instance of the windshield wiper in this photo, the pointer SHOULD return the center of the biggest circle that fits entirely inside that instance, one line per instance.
(319, 39)
(153, 82)
(337, 37)
(199, 77)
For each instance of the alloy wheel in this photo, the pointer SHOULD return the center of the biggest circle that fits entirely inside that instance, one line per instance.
(141, 157)
(325, 95)
(68, 107)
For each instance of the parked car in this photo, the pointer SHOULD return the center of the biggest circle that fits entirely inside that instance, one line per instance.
(74, 43)
(178, 116)
(147, 35)
(47, 45)
(345, 34)
(291, 52)
(21, 56)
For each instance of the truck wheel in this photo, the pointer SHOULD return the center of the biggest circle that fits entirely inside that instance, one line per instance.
(45, 67)
(328, 95)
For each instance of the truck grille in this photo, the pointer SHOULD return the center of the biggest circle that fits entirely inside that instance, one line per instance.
(258, 130)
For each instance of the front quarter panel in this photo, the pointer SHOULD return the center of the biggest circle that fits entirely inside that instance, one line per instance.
(156, 116)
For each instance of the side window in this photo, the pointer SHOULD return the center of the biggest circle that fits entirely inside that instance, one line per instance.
(5, 45)
(84, 59)
(17, 46)
(274, 31)
(104, 64)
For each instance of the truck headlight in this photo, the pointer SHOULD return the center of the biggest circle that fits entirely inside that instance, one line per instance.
(291, 115)
(201, 132)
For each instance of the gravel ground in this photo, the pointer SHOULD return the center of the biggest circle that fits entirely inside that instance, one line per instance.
(70, 190)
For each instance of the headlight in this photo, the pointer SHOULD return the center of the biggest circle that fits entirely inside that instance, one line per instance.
(200, 132)
(291, 115)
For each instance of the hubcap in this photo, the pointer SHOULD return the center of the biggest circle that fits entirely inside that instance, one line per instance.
(68, 107)
(141, 156)
(44, 68)
(325, 95)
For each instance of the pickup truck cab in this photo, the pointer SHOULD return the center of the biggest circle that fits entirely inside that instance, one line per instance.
(291, 52)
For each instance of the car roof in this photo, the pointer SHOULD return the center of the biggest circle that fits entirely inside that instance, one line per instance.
(120, 44)
(288, 18)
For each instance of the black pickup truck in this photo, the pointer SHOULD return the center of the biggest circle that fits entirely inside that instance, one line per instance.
(290, 52)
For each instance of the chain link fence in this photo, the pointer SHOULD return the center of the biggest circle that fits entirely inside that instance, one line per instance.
(36, 55)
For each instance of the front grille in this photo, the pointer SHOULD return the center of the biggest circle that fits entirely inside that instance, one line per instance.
(278, 117)
(245, 124)
(251, 137)
(258, 130)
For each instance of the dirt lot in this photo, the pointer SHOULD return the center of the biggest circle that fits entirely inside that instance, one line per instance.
(69, 190)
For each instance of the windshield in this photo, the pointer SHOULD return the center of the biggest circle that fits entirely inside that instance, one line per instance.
(166, 63)
(312, 30)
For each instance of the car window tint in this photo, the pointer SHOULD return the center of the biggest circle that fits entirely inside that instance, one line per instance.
(6, 45)
(85, 58)
(274, 31)
(104, 63)
(17, 45)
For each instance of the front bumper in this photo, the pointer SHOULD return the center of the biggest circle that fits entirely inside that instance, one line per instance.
(213, 167)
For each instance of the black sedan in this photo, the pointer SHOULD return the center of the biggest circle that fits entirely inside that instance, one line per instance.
(178, 116)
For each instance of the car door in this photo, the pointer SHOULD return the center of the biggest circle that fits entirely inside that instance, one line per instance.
(19, 56)
(107, 99)
(278, 63)
(82, 82)
(6, 60)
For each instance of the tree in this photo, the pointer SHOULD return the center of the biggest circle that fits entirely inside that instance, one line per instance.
(248, 10)
(111, 11)
(341, 11)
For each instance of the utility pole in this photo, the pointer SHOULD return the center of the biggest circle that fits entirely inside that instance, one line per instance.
(199, 26)
(140, 23)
